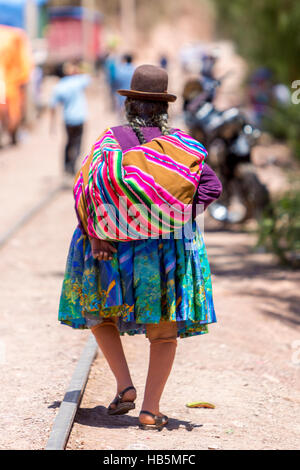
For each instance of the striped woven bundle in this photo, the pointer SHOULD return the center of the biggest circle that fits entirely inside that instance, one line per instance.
(145, 192)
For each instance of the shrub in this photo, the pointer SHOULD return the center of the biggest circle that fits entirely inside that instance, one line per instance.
(279, 231)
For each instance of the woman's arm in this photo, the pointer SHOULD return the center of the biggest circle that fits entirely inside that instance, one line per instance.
(210, 187)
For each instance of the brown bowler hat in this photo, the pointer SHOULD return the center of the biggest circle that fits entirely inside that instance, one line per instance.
(149, 83)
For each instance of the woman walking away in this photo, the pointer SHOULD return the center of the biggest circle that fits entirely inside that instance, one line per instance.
(133, 267)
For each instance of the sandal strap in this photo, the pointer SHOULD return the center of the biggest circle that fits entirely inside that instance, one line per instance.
(145, 412)
(120, 395)
(115, 401)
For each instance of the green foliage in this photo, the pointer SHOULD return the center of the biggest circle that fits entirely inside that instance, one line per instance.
(279, 230)
(266, 32)
(284, 124)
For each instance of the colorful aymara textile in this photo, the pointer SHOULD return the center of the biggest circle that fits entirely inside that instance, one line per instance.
(145, 282)
(143, 193)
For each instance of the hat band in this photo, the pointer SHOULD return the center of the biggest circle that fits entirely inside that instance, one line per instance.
(148, 95)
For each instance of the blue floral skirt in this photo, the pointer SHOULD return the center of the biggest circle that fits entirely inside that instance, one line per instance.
(145, 282)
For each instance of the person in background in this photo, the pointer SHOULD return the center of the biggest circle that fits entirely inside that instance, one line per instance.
(260, 93)
(208, 65)
(123, 74)
(15, 68)
(163, 62)
(110, 75)
(37, 81)
(70, 93)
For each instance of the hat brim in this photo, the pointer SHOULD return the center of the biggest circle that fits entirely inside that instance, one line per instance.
(144, 95)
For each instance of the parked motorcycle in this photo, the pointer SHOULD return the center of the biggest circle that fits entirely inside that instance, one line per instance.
(229, 139)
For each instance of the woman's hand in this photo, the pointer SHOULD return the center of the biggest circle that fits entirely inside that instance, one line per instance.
(102, 249)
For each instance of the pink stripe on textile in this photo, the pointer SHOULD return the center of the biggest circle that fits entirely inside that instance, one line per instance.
(77, 198)
(78, 183)
(174, 167)
(194, 152)
(183, 146)
(78, 191)
(97, 145)
(147, 182)
(85, 159)
(90, 226)
(168, 162)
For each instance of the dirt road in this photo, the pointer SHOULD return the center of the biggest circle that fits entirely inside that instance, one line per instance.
(37, 354)
(248, 366)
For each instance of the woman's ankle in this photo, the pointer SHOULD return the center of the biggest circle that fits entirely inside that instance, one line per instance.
(151, 407)
(123, 385)
(129, 394)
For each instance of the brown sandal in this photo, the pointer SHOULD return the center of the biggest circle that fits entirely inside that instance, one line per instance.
(122, 407)
(160, 421)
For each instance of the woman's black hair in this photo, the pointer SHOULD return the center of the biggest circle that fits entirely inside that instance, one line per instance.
(146, 114)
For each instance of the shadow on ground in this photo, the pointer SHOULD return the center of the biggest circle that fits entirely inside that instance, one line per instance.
(97, 417)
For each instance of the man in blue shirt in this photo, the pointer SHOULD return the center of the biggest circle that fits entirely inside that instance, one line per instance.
(69, 92)
(110, 74)
(123, 74)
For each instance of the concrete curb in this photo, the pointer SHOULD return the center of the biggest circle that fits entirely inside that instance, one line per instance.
(66, 414)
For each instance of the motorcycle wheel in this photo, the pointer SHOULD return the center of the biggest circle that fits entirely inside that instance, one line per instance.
(229, 212)
(254, 193)
(245, 198)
